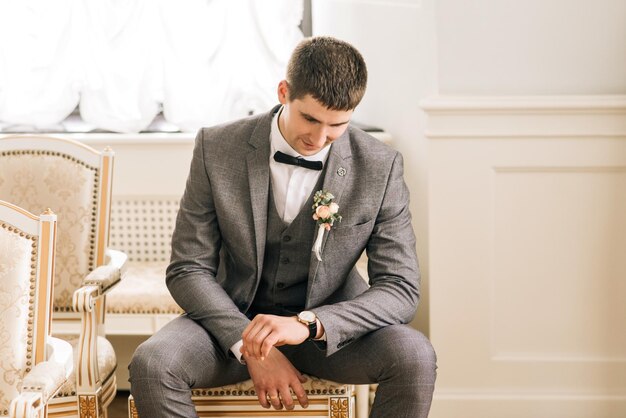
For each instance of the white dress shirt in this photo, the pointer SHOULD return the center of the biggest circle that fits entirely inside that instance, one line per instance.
(291, 186)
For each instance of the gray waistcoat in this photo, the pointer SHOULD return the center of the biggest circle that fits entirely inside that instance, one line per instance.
(282, 289)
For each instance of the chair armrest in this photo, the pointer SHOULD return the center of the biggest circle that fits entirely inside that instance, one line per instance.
(38, 387)
(43, 382)
(45, 378)
(99, 281)
(116, 258)
(85, 298)
(107, 275)
(27, 405)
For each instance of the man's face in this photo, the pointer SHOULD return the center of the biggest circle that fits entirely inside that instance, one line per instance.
(307, 125)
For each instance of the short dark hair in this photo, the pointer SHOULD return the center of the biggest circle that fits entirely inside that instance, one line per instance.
(332, 71)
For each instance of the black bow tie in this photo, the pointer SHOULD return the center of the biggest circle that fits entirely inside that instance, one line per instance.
(280, 157)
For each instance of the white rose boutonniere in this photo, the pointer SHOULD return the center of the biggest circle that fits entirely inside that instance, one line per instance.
(325, 213)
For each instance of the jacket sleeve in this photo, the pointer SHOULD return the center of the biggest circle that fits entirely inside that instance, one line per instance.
(196, 243)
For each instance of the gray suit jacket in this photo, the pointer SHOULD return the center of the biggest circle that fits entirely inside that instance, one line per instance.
(222, 224)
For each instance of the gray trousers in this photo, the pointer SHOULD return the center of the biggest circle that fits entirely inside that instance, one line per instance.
(182, 355)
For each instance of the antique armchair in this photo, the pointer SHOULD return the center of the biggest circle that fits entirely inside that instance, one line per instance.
(42, 171)
(33, 365)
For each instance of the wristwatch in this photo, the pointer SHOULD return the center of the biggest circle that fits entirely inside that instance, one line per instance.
(309, 319)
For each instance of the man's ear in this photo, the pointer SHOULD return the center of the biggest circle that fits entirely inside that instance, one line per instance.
(283, 92)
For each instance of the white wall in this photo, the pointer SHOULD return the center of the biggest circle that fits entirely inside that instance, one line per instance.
(528, 47)
(527, 235)
(526, 173)
(396, 39)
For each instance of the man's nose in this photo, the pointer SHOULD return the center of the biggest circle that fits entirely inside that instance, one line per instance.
(320, 135)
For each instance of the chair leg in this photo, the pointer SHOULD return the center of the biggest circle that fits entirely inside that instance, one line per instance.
(362, 401)
(89, 406)
(340, 406)
(132, 409)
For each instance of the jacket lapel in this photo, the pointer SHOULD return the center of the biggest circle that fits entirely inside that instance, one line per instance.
(258, 177)
(338, 169)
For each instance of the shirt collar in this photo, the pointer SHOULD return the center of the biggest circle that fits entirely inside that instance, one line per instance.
(278, 143)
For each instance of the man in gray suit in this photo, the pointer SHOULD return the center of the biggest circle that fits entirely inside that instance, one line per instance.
(268, 284)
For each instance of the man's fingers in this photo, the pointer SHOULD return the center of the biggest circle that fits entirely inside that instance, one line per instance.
(302, 398)
(258, 341)
(286, 398)
(299, 391)
(263, 399)
(282, 330)
(276, 378)
(246, 332)
(275, 400)
(255, 332)
(251, 330)
(270, 399)
(269, 342)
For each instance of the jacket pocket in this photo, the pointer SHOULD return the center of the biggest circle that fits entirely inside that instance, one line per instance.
(351, 230)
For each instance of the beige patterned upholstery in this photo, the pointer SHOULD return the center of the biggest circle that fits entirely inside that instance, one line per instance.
(69, 187)
(143, 291)
(143, 228)
(28, 378)
(45, 171)
(326, 400)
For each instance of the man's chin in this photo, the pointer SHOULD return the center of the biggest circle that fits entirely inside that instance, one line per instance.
(308, 150)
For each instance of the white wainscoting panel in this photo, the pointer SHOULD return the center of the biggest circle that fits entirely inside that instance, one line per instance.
(527, 226)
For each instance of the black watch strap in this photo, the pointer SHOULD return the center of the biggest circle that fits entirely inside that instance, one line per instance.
(312, 330)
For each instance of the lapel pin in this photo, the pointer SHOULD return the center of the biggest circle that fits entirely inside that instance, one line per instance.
(341, 171)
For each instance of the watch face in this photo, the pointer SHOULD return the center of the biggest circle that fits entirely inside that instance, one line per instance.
(307, 316)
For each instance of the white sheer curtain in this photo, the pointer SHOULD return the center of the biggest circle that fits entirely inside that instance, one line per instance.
(202, 61)
(40, 68)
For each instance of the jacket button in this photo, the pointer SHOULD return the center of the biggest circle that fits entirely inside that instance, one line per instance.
(284, 260)
(287, 238)
(280, 285)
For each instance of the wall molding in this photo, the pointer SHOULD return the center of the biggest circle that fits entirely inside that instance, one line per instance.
(148, 139)
(499, 393)
(453, 117)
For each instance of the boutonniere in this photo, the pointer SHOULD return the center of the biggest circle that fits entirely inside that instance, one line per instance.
(325, 214)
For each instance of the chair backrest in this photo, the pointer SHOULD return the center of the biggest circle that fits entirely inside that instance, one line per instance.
(142, 226)
(74, 179)
(26, 269)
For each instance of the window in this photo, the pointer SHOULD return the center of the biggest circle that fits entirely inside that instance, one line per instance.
(142, 65)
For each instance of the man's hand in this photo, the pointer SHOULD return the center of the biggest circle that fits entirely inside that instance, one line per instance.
(274, 378)
(267, 331)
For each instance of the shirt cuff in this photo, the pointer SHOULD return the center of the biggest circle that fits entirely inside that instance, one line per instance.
(235, 350)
